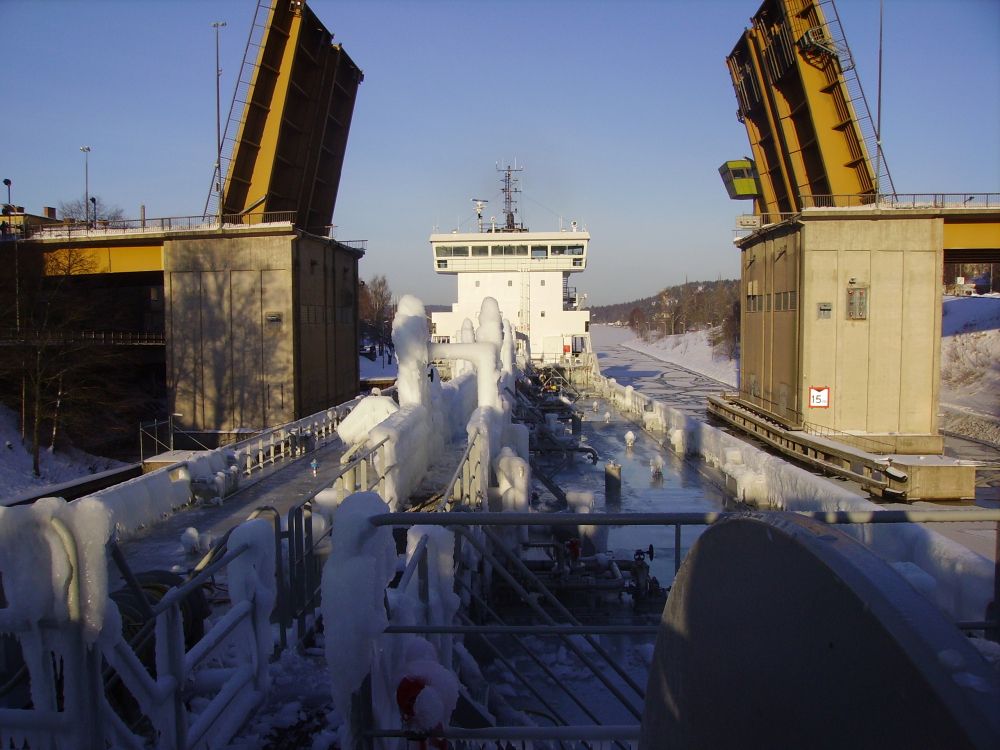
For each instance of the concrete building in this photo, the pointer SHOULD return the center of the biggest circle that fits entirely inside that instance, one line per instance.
(841, 324)
(257, 322)
(261, 328)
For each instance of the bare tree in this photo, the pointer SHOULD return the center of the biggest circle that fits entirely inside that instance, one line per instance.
(98, 210)
(637, 320)
(63, 376)
(379, 302)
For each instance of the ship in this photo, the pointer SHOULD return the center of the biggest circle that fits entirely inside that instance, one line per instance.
(527, 272)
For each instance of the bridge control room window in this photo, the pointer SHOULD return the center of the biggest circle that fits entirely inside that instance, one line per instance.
(443, 252)
(558, 250)
(539, 251)
(574, 250)
(460, 251)
(479, 251)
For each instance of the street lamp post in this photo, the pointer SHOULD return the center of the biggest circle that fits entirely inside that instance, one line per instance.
(86, 184)
(17, 275)
(218, 120)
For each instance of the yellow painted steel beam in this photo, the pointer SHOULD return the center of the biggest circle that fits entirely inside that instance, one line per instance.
(290, 144)
(793, 99)
(252, 166)
(962, 234)
(77, 261)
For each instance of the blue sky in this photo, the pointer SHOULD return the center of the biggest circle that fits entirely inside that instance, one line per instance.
(620, 112)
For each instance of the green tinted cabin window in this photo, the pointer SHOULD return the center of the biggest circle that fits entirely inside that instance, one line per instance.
(479, 251)
(460, 251)
(558, 250)
(443, 251)
(539, 251)
(575, 250)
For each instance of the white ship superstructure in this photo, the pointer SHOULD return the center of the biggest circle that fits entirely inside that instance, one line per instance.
(528, 273)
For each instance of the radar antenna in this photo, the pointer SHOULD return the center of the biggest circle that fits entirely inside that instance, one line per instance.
(480, 203)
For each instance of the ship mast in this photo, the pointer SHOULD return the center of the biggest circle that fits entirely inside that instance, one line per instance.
(510, 188)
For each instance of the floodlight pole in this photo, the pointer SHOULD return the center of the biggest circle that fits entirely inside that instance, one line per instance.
(86, 185)
(218, 120)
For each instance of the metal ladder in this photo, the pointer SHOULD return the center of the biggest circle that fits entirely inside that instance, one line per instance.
(856, 94)
(241, 96)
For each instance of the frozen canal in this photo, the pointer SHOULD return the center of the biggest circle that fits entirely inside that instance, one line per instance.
(681, 488)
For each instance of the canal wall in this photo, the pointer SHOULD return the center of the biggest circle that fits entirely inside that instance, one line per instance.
(958, 580)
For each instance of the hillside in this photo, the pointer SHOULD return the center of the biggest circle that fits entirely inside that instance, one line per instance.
(691, 306)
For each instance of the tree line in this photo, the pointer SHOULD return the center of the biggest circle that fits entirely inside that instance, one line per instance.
(691, 306)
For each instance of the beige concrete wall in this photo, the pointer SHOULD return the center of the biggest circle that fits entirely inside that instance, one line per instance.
(883, 371)
(229, 321)
(261, 329)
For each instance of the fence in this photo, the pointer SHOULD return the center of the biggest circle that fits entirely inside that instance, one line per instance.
(903, 200)
(104, 228)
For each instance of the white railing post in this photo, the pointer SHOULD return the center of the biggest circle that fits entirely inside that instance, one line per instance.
(170, 629)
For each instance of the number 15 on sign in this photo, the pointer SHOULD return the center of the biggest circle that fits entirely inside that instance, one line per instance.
(819, 397)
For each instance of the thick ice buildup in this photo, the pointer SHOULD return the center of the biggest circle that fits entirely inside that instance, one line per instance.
(426, 692)
(251, 578)
(409, 334)
(405, 456)
(490, 329)
(361, 564)
(370, 411)
(38, 571)
(594, 539)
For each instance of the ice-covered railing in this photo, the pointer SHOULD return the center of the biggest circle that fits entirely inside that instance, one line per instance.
(469, 483)
(956, 579)
(217, 473)
(59, 609)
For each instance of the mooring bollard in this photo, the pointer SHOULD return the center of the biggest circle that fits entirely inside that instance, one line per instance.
(612, 484)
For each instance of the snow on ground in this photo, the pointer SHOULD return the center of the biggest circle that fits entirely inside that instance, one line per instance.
(57, 467)
(691, 351)
(970, 366)
(970, 362)
(384, 366)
